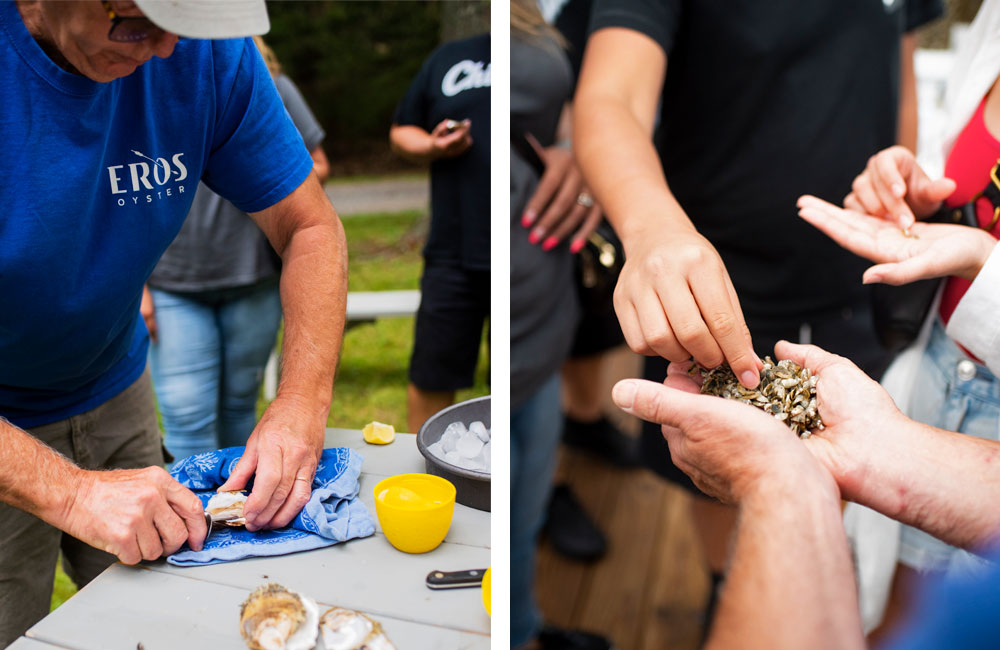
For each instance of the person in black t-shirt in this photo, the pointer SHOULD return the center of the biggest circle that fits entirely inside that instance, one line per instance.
(699, 163)
(444, 119)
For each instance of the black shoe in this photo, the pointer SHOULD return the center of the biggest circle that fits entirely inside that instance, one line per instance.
(570, 529)
(602, 438)
(557, 638)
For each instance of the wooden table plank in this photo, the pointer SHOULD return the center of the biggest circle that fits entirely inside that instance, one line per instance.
(127, 606)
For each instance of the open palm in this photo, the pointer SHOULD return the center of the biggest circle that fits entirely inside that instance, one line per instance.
(931, 250)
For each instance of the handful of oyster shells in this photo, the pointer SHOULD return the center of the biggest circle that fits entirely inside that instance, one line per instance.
(275, 618)
(786, 390)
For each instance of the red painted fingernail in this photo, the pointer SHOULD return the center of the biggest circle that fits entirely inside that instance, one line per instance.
(550, 243)
(536, 235)
(527, 219)
(576, 246)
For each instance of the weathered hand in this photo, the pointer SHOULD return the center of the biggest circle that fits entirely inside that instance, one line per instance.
(674, 299)
(559, 205)
(932, 250)
(448, 143)
(137, 514)
(895, 188)
(861, 420)
(730, 450)
(283, 451)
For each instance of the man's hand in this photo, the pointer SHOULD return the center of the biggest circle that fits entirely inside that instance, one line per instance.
(933, 249)
(862, 422)
(450, 139)
(148, 311)
(895, 188)
(674, 299)
(284, 450)
(730, 450)
(562, 203)
(137, 514)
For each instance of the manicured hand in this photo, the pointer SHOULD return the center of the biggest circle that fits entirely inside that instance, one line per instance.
(932, 250)
(136, 514)
(447, 143)
(895, 188)
(674, 299)
(283, 451)
(562, 204)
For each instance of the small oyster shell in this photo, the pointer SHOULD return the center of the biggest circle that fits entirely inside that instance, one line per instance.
(346, 629)
(227, 507)
(274, 618)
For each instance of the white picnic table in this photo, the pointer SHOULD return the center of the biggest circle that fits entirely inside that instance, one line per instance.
(156, 605)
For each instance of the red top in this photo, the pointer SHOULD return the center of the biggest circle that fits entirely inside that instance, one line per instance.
(969, 163)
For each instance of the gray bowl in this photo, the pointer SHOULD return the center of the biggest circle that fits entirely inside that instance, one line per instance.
(472, 487)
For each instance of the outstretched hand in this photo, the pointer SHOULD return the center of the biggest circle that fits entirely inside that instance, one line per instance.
(730, 450)
(932, 250)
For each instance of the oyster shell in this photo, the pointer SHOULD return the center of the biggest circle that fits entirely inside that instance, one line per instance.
(227, 507)
(346, 629)
(274, 618)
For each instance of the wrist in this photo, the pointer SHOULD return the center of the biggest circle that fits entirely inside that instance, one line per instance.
(812, 484)
(985, 243)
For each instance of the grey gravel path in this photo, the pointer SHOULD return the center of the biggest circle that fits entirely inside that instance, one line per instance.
(389, 194)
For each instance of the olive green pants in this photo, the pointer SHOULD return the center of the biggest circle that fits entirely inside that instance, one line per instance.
(120, 434)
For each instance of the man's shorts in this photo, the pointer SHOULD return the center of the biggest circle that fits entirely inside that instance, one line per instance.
(454, 306)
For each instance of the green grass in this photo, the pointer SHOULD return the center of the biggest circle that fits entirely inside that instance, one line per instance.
(384, 252)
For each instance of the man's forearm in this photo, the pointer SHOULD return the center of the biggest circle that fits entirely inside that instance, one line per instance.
(791, 582)
(942, 482)
(33, 476)
(412, 142)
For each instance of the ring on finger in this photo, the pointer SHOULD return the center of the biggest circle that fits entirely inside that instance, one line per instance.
(303, 478)
(585, 199)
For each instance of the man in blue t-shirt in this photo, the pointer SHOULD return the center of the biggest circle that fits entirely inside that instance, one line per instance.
(108, 122)
(791, 577)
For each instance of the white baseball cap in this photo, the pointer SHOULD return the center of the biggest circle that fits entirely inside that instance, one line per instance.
(208, 18)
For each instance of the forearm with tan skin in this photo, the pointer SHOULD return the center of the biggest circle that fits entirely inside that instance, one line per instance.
(286, 444)
(906, 130)
(942, 482)
(674, 297)
(790, 555)
(136, 515)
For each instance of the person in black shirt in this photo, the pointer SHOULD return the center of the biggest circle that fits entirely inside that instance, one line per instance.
(444, 119)
(699, 164)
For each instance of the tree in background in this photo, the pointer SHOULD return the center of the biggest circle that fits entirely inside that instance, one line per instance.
(354, 60)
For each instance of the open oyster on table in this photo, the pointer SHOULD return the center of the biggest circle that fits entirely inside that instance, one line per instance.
(275, 618)
(346, 629)
(786, 390)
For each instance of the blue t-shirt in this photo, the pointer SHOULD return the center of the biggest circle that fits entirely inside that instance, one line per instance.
(97, 179)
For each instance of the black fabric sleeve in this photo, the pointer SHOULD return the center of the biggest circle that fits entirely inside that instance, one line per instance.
(921, 12)
(412, 109)
(657, 19)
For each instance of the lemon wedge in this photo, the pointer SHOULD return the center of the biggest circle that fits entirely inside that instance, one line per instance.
(376, 433)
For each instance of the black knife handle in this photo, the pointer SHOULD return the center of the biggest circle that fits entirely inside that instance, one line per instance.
(455, 579)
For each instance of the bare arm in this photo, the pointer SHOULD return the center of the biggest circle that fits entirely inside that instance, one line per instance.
(907, 124)
(941, 482)
(287, 442)
(416, 144)
(674, 297)
(791, 551)
(133, 514)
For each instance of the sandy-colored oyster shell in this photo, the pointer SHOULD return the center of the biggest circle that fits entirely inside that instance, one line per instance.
(346, 629)
(274, 618)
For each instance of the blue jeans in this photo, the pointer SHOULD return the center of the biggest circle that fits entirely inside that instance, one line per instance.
(535, 430)
(209, 361)
(968, 404)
